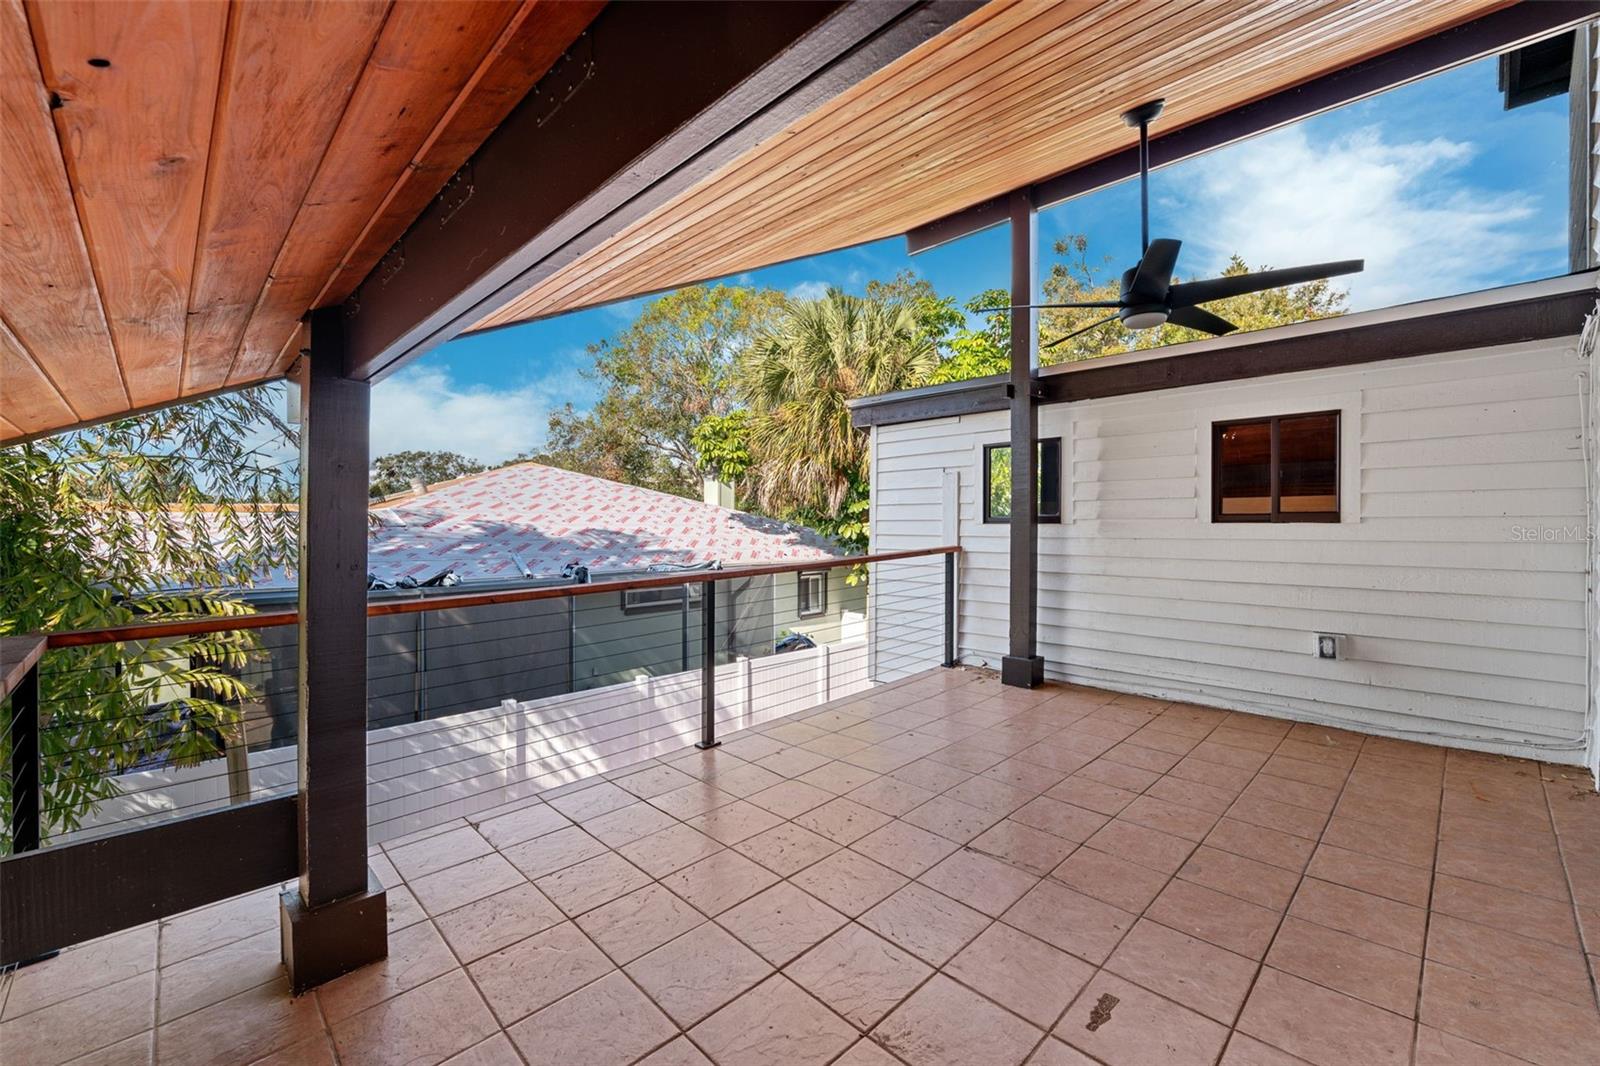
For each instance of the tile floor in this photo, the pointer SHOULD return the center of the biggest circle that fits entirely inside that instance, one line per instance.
(938, 872)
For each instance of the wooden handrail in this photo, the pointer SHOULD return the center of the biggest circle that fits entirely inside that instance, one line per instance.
(77, 638)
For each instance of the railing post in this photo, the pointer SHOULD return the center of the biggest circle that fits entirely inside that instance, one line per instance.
(25, 763)
(950, 609)
(708, 665)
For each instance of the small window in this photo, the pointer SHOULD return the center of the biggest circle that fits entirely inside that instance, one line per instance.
(997, 481)
(1283, 469)
(665, 598)
(813, 593)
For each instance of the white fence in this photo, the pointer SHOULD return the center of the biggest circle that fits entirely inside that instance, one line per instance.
(423, 773)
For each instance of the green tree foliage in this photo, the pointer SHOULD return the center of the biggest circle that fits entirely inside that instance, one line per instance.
(796, 380)
(394, 472)
(1076, 276)
(660, 378)
(97, 528)
(977, 353)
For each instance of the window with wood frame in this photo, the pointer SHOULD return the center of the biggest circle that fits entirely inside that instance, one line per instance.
(1280, 469)
(997, 481)
(812, 593)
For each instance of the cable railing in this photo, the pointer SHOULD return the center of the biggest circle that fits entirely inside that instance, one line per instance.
(475, 699)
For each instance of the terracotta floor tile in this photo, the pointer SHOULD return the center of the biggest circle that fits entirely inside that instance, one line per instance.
(1199, 768)
(931, 926)
(951, 819)
(1220, 919)
(1054, 1053)
(426, 1024)
(733, 822)
(1193, 794)
(592, 882)
(535, 972)
(1258, 882)
(679, 1052)
(714, 884)
(1023, 846)
(1368, 873)
(1144, 758)
(1201, 976)
(1382, 921)
(991, 796)
(1264, 845)
(930, 775)
(1134, 1027)
(838, 777)
(241, 1028)
(891, 796)
(1295, 793)
(781, 922)
(1030, 777)
(1504, 870)
(641, 921)
(905, 848)
(1280, 816)
(944, 1024)
(786, 849)
(1326, 754)
(1435, 1047)
(498, 920)
(1117, 775)
(789, 799)
(592, 802)
(1331, 777)
(1323, 1026)
(456, 886)
(1211, 750)
(655, 780)
(792, 762)
(1060, 818)
(85, 1023)
(194, 932)
(1539, 966)
(659, 854)
(553, 851)
(849, 882)
(1070, 920)
(219, 973)
(859, 974)
(694, 799)
(1020, 972)
(616, 828)
(139, 1050)
(775, 1023)
(1159, 851)
(1507, 1018)
(1121, 883)
(983, 883)
(697, 973)
(1191, 823)
(607, 1021)
(842, 820)
(1379, 975)
(1248, 739)
(1414, 848)
(966, 757)
(1245, 1050)
(1163, 740)
(417, 955)
(81, 969)
(1502, 908)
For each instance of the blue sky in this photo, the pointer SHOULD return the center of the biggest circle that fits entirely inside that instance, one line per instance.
(1438, 188)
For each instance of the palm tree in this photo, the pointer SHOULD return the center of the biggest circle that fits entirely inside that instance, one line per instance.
(796, 380)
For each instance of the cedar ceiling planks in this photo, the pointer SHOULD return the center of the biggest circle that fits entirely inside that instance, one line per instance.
(1015, 93)
(55, 326)
(226, 168)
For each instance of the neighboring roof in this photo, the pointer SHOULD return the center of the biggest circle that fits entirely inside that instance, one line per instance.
(480, 526)
(1534, 310)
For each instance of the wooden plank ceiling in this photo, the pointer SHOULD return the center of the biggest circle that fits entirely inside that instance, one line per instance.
(1017, 92)
(183, 180)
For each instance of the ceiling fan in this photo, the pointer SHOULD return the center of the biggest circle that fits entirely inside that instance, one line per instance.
(1148, 296)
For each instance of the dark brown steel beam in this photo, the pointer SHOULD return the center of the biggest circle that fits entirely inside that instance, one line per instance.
(1023, 665)
(1486, 36)
(69, 893)
(653, 98)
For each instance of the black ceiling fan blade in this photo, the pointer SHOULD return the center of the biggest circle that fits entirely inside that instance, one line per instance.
(1023, 307)
(1201, 319)
(1153, 276)
(1075, 332)
(1198, 292)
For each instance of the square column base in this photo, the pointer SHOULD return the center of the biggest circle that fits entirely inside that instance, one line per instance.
(1022, 672)
(321, 943)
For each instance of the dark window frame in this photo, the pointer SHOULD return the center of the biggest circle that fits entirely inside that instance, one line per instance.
(661, 598)
(1049, 464)
(819, 609)
(1274, 513)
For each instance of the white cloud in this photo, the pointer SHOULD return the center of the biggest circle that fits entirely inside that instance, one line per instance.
(424, 408)
(808, 290)
(1404, 207)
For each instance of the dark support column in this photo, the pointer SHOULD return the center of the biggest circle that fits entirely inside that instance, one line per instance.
(708, 665)
(336, 920)
(1022, 666)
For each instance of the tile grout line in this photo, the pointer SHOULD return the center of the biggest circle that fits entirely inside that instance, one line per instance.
(1572, 894)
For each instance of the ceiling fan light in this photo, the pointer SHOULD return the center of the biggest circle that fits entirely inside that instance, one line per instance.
(1145, 318)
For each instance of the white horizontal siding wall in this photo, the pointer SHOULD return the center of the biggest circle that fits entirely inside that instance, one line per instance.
(1458, 571)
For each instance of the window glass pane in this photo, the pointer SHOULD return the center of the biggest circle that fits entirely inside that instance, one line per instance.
(1308, 464)
(1244, 468)
(999, 482)
(1050, 478)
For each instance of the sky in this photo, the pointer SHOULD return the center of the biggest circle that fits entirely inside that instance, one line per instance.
(1433, 183)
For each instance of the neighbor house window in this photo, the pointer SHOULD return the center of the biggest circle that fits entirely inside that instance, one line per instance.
(813, 593)
(667, 598)
(1283, 469)
(997, 482)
